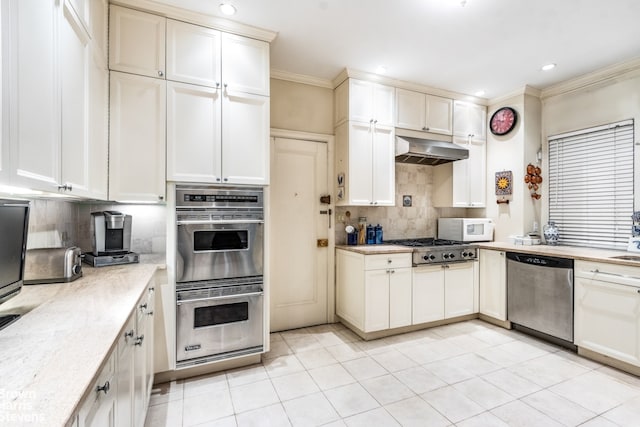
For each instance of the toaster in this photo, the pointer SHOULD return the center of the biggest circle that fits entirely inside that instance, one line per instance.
(52, 265)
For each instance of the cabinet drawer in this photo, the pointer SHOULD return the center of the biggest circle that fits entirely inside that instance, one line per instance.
(381, 261)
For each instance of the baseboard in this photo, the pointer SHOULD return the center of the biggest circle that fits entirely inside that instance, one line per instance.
(209, 368)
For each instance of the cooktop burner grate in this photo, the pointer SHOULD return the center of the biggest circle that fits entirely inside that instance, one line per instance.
(423, 242)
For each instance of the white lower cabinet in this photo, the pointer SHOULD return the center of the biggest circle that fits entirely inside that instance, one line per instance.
(607, 310)
(493, 284)
(374, 291)
(120, 396)
(99, 408)
(444, 291)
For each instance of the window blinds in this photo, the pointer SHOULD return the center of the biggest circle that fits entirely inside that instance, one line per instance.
(591, 185)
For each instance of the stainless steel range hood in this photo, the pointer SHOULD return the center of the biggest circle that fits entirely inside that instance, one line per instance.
(427, 148)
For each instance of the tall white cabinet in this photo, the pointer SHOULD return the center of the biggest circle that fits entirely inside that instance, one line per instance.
(217, 99)
(365, 143)
(57, 96)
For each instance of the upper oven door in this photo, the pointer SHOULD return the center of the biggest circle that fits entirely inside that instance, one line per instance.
(219, 250)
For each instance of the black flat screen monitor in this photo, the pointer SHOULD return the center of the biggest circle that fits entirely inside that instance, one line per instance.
(14, 224)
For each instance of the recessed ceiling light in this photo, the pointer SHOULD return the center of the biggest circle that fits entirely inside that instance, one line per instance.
(228, 9)
(480, 93)
(381, 70)
(548, 67)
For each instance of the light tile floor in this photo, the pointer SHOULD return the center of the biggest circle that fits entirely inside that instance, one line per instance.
(469, 374)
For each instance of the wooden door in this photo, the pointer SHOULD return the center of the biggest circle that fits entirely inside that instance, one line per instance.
(299, 279)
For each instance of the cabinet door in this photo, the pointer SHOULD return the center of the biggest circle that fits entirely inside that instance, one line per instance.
(428, 294)
(410, 109)
(193, 54)
(476, 174)
(137, 138)
(376, 300)
(383, 102)
(469, 121)
(34, 96)
(361, 101)
(74, 74)
(139, 374)
(136, 42)
(124, 375)
(439, 115)
(493, 284)
(98, 128)
(383, 171)
(245, 64)
(459, 292)
(607, 319)
(460, 181)
(99, 407)
(400, 297)
(360, 164)
(245, 138)
(193, 133)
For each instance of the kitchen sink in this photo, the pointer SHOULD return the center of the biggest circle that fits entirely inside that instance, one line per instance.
(627, 257)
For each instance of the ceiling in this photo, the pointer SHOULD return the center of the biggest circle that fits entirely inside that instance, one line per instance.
(493, 45)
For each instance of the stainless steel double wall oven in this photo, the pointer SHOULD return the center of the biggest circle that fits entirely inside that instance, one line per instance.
(219, 273)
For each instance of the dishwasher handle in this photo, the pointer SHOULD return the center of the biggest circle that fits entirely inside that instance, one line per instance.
(540, 261)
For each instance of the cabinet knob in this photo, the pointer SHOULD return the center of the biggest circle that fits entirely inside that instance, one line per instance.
(105, 388)
(129, 334)
(226, 179)
(218, 179)
(217, 85)
(639, 291)
(152, 289)
(139, 340)
(143, 306)
(150, 313)
(161, 198)
(393, 271)
(425, 128)
(389, 261)
(160, 73)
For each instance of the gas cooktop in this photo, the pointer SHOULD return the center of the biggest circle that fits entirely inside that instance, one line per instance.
(428, 250)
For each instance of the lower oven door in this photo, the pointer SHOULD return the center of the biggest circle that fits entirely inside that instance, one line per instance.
(218, 323)
(219, 250)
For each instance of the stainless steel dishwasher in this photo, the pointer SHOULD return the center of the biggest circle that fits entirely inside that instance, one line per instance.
(540, 296)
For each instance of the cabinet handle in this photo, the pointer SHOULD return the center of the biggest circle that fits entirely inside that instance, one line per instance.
(143, 306)
(129, 334)
(65, 187)
(425, 128)
(596, 271)
(218, 179)
(150, 313)
(639, 291)
(161, 198)
(393, 271)
(217, 85)
(226, 179)
(160, 73)
(152, 289)
(105, 388)
(139, 340)
(389, 261)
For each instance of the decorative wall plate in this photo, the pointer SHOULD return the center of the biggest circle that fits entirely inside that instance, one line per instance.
(504, 182)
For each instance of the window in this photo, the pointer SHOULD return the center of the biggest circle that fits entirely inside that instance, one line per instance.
(591, 185)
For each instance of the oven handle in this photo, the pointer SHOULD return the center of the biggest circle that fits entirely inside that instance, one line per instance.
(248, 294)
(222, 221)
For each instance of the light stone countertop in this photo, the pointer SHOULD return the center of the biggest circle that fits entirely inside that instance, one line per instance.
(376, 249)
(574, 252)
(52, 354)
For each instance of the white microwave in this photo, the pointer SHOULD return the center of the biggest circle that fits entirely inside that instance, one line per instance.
(466, 229)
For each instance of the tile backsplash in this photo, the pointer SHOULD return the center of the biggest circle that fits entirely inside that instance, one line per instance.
(54, 223)
(418, 220)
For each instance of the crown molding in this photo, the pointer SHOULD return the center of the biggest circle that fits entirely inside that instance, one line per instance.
(301, 78)
(622, 69)
(362, 75)
(210, 21)
(526, 90)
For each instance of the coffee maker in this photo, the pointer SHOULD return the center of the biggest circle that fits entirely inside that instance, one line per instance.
(110, 239)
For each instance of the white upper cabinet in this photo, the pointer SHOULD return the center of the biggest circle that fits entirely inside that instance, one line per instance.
(365, 102)
(99, 22)
(136, 42)
(245, 138)
(35, 158)
(245, 65)
(52, 84)
(193, 133)
(137, 143)
(193, 54)
(422, 112)
(469, 121)
(469, 176)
